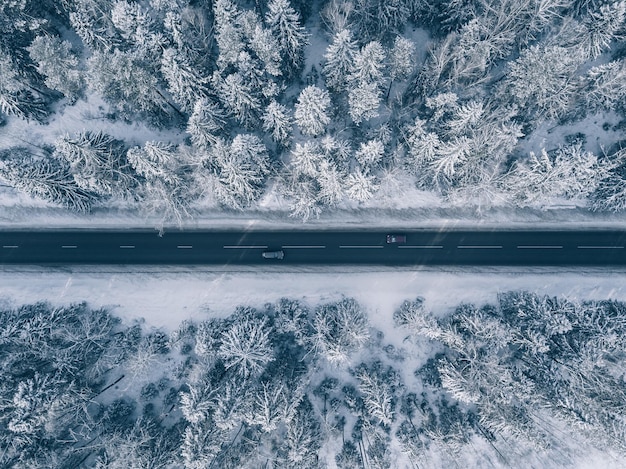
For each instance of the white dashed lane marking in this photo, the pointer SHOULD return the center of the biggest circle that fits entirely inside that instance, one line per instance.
(539, 247)
(421, 247)
(600, 247)
(245, 247)
(479, 247)
(361, 247)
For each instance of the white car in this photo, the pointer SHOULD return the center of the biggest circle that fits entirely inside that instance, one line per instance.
(273, 254)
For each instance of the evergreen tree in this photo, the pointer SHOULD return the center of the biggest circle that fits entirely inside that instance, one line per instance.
(312, 110)
(278, 122)
(338, 60)
(45, 178)
(340, 329)
(364, 101)
(97, 163)
(206, 123)
(185, 84)
(59, 64)
(284, 23)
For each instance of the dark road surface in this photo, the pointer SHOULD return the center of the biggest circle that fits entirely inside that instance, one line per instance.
(481, 248)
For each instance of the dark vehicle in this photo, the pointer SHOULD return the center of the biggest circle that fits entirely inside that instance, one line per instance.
(273, 254)
(396, 239)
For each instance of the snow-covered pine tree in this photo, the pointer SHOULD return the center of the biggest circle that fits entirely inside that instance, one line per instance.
(45, 178)
(541, 81)
(361, 186)
(363, 101)
(97, 162)
(239, 97)
(246, 346)
(206, 123)
(338, 60)
(277, 121)
(59, 64)
(369, 64)
(284, 23)
(378, 387)
(402, 58)
(341, 328)
(370, 154)
(17, 96)
(312, 110)
(184, 82)
(127, 84)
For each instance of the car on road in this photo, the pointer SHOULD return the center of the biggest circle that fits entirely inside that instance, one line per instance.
(273, 254)
(396, 239)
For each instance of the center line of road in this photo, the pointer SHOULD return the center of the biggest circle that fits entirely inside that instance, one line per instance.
(303, 247)
(69, 247)
(600, 247)
(127, 247)
(539, 247)
(10, 247)
(245, 247)
(361, 247)
(184, 247)
(420, 247)
(479, 247)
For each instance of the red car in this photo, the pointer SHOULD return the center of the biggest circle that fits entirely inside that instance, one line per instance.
(396, 239)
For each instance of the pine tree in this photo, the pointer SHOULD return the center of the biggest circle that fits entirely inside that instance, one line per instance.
(97, 163)
(541, 80)
(228, 35)
(340, 329)
(17, 96)
(125, 82)
(364, 102)
(338, 60)
(206, 123)
(239, 98)
(370, 153)
(312, 110)
(59, 64)
(402, 58)
(241, 169)
(45, 178)
(185, 84)
(361, 186)
(278, 122)
(369, 64)
(284, 23)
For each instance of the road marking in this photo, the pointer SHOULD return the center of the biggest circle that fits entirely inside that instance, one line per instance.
(600, 247)
(184, 247)
(303, 247)
(539, 247)
(479, 247)
(127, 247)
(10, 247)
(245, 247)
(361, 247)
(69, 247)
(420, 247)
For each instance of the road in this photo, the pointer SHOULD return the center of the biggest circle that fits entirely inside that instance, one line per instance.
(481, 248)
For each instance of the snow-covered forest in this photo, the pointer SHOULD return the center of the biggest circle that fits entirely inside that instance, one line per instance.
(527, 381)
(322, 104)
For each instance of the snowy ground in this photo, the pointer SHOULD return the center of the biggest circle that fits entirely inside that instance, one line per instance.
(166, 296)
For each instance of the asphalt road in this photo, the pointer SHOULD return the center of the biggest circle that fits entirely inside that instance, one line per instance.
(511, 248)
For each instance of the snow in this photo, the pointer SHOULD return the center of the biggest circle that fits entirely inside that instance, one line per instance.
(165, 296)
(162, 297)
(86, 114)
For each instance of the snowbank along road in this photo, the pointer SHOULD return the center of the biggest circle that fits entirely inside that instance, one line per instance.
(315, 247)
